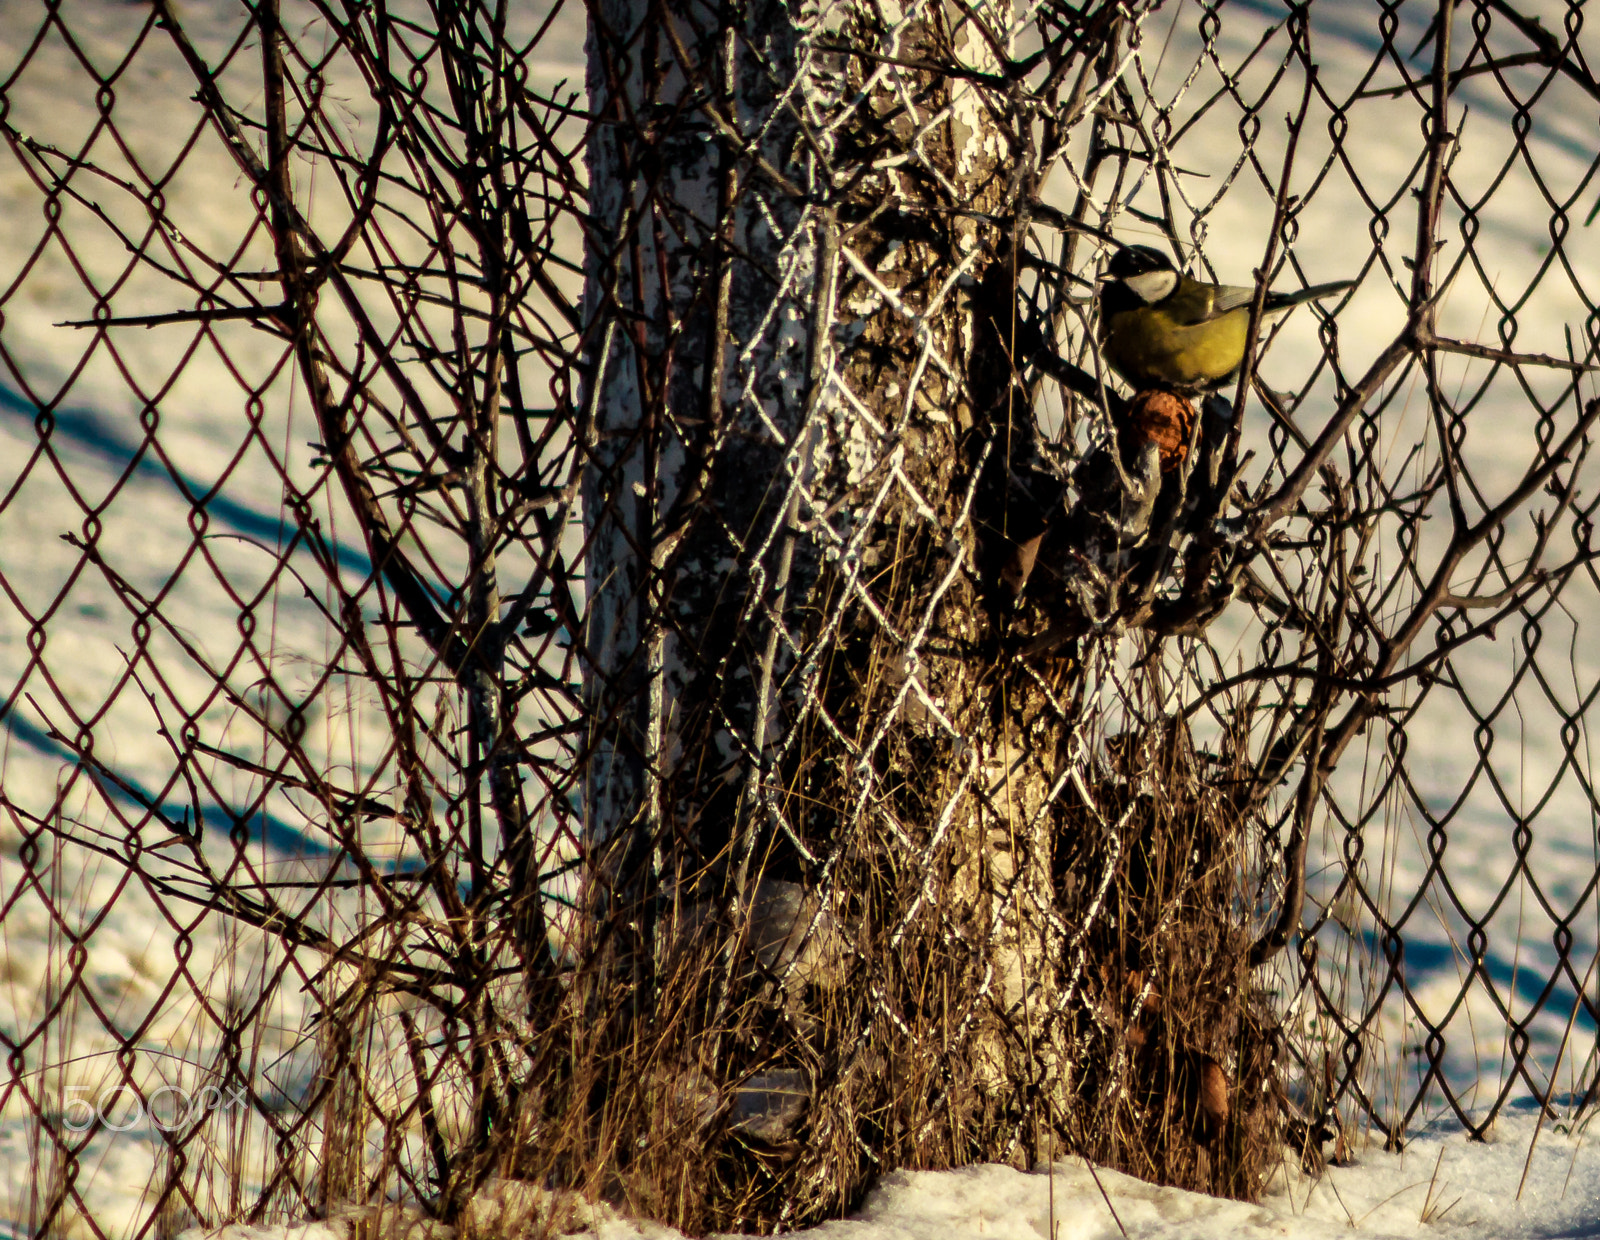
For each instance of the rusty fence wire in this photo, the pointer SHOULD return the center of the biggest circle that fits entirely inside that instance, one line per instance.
(247, 768)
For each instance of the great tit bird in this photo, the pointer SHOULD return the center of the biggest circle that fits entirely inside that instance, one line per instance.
(1161, 329)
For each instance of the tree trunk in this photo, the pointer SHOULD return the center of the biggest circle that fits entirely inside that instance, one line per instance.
(839, 833)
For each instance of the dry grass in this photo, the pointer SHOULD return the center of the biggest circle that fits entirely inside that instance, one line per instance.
(777, 1066)
(1189, 1045)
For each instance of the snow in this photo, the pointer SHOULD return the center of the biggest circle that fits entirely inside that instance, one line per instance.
(142, 500)
(1439, 1186)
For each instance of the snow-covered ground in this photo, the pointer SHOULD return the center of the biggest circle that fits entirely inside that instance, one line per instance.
(142, 429)
(1439, 1186)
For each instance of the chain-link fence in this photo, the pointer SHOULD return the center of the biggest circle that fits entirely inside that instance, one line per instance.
(275, 880)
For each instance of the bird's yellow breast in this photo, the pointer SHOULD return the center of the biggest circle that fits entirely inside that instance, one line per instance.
(1150, 348)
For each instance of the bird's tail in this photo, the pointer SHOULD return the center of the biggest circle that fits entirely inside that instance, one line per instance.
(1284, 301)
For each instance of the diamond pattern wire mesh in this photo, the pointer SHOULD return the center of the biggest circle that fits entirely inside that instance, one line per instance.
(192, 666)
(201, 645)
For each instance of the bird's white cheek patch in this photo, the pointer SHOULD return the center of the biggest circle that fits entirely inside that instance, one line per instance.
(1152, 286)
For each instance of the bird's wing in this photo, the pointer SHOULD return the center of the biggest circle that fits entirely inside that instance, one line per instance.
(1228, 297)
(1225, 297)
(1196, 302)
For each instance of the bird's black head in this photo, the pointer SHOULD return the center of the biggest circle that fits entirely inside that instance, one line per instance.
(1137, 260)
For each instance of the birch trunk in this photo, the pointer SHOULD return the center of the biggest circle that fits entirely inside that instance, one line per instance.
(820, 820)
